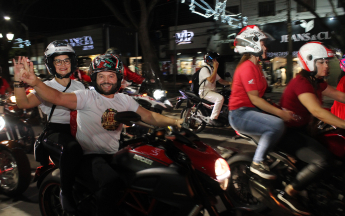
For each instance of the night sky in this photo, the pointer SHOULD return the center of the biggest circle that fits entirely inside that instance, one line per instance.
(47, 17)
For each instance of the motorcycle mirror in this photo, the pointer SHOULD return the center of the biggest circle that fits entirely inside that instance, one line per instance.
(127, 117)
(339, 55)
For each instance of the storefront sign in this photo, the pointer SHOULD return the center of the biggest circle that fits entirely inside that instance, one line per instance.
(280, 54)
(303, 31)
(86, 42)
(20, 43)
(306, 37)
(184, 37)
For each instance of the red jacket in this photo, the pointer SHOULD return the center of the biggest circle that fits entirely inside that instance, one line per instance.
(338, 108)
(131, 76)
(81, 76)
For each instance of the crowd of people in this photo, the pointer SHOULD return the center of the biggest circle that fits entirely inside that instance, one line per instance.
(249, 113)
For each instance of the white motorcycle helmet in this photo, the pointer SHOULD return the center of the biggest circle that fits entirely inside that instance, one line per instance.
(310, 52)
(248, 40)
(56, 48)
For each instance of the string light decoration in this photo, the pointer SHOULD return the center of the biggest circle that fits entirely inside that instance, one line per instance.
(219, 11)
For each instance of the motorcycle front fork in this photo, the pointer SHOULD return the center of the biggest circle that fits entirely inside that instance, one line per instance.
(10, 133)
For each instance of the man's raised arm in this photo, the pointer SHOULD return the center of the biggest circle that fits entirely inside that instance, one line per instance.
(47, 93)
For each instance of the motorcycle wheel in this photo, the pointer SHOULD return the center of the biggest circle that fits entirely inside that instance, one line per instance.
(27, 138)
(15, 171)
(239, 188)
(48, 196)
(193, 124)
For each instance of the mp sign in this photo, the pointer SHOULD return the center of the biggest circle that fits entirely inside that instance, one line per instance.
(185, 37)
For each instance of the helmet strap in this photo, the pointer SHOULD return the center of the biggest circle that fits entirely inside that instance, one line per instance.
(62, 77)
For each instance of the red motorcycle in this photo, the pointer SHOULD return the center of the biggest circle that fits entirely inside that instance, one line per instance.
(165, 174)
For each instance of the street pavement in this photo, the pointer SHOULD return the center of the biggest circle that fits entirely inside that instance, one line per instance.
(27, 204)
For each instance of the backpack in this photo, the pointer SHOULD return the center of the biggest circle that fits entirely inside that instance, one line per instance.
(195, 81)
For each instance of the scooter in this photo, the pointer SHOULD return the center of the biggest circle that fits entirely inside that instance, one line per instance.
(165, 174)
(149, 98)
(198, 110)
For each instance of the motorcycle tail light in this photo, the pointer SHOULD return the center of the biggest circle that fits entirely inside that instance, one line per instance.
(222, 171)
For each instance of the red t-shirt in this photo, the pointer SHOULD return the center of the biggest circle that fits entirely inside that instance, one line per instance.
(338, 108)
(290, 101)
(4, 86)
(129, 75)
(248, 77)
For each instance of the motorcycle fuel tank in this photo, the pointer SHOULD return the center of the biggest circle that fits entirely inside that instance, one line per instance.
(147, 168)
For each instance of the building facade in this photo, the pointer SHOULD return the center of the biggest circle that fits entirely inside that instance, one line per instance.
(271, 16)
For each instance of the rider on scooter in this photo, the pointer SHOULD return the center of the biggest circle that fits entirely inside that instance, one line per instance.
(98, 133)
(207, 81)
(303, 96)
(246, 104)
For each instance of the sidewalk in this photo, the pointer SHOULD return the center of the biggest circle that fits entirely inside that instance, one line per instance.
(277, 92)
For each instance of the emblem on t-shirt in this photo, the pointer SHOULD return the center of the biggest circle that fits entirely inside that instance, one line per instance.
(251, 81)
(108, 121)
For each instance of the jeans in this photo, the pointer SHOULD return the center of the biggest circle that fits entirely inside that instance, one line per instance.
(252, 121)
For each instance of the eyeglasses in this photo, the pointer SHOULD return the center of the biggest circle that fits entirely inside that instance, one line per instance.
(58, 62)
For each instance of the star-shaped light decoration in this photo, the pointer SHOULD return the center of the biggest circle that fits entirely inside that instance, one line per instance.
(219, 11)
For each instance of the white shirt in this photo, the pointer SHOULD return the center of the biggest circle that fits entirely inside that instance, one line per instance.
(61, 114)
(98, 132)
(206, 86)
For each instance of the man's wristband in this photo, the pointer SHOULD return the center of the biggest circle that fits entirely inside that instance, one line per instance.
(18, 84)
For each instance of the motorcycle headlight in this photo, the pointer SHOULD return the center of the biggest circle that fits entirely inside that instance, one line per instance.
(158, 94)
(13, 99)
(222, 171)
(2, 123)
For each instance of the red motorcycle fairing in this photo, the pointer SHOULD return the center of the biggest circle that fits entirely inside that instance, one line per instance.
(155, 174)
(335, 142)
(153, 153)
(198, 157)
(147, 156)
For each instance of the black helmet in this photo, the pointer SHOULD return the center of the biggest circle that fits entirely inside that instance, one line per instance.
(208, 58)
(113, 50)
(106, 62)
(56, 48)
